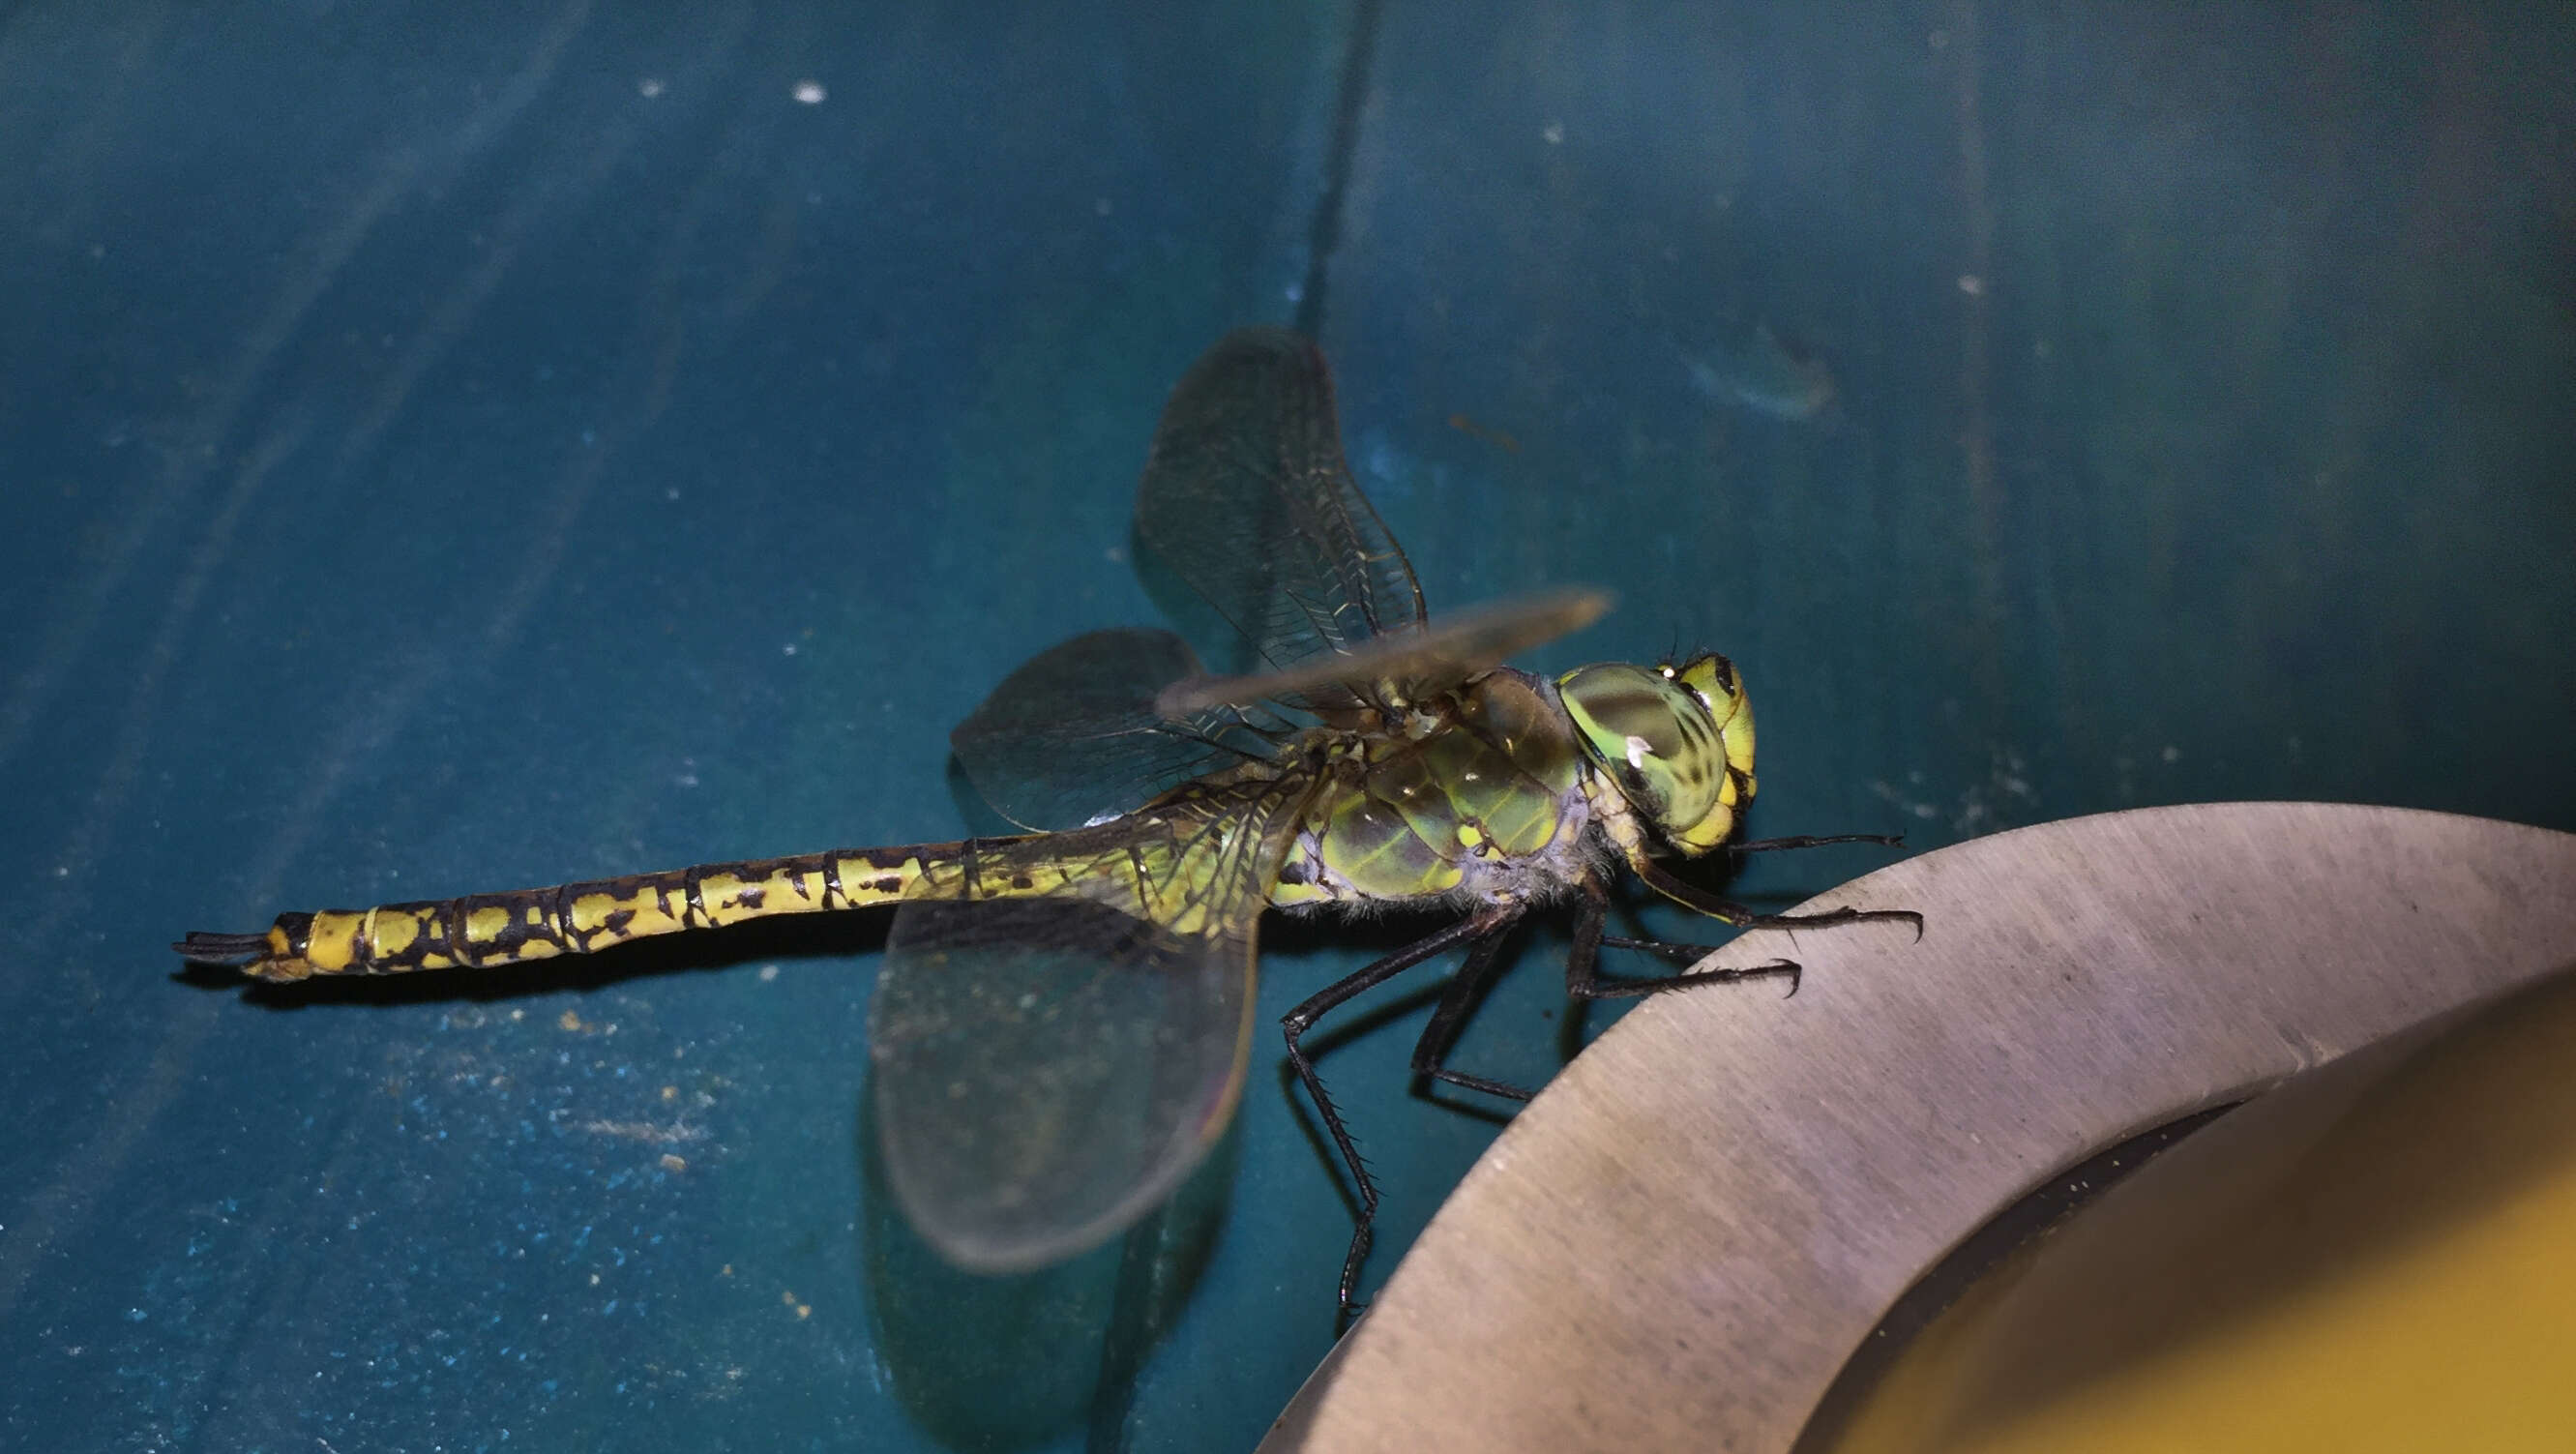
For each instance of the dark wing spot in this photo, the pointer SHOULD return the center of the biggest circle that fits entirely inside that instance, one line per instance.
(1021, 881)
(891, 883)
(617, 921)
(750, 898)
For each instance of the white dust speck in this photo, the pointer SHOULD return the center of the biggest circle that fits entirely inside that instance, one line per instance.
(809, 93)
(1554, 132)
(1972, 285)
(648, 1132)
(768, 973)
(649, 87)
(1979, 807)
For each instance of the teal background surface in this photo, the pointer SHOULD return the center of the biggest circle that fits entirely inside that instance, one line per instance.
(457, 448)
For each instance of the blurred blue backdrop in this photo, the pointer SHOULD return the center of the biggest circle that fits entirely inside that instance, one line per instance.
(456, 448)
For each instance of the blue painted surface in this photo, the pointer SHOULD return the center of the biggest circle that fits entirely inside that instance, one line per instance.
(449, 453)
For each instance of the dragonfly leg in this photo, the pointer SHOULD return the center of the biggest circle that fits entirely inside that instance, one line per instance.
(1726, 911)
(1466, 989)
(1298, 1021)
(1585, 981)
(1810, 840)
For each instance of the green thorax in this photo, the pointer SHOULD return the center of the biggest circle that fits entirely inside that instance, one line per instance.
(1485, 790)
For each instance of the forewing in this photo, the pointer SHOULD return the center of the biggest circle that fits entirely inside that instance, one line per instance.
(1247, 500)
(1060, 1036)
(1074, 737)
(1407, 666)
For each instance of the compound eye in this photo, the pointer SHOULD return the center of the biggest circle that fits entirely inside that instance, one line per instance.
(1653, 736)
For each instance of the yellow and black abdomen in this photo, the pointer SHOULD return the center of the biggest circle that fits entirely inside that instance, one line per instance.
(578, 918)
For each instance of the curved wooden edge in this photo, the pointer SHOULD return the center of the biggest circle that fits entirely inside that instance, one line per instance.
(1681, 1241)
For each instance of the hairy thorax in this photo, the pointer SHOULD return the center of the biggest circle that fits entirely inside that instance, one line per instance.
(1484, 799)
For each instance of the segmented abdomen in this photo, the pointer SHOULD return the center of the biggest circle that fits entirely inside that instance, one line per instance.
(525, 924)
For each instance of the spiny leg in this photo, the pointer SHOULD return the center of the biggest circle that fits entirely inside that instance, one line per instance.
(1583, 981)
(1593, 985)
(1298, 1021)
(1726, 911)
(1466, 989)
(1751, 920)
(1810, 840)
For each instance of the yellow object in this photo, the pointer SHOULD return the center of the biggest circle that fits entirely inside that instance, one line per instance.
(2392, 1267)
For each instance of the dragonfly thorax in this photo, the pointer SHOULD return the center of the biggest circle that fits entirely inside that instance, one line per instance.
(1485, 800)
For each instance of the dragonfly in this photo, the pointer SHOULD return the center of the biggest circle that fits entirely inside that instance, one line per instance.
(1064, 1017)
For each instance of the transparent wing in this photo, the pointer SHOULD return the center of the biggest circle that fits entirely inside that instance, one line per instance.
(1246, 500)
(1074, 736)
(1400, 667)
(1060, 1037)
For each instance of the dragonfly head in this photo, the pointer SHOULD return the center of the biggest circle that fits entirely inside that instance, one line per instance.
(1676, 738)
